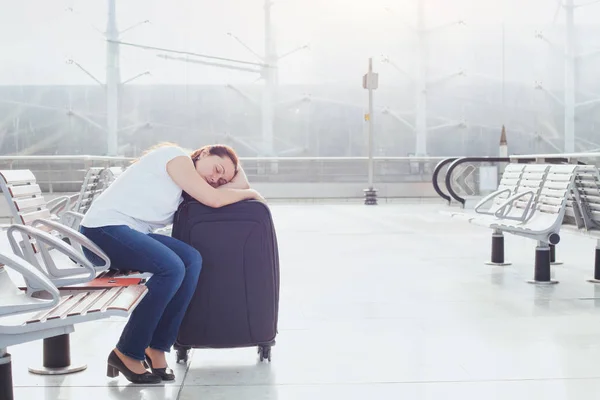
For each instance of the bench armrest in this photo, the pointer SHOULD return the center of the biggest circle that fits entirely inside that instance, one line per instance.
(54, 273)
(71, 219)
(500, 213)
(60, 203)
(489, 197)
(77, 240)
(31, 274)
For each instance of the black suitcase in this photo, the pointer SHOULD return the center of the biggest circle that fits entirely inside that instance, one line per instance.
(236, 303)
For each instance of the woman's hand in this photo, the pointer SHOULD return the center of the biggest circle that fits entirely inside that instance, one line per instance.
(258, 196)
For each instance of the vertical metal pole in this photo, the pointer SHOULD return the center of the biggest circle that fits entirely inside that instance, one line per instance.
(371, 117)
(421, 84)
(370, 83)
(113, 78)
(570, 78)
(270, 76)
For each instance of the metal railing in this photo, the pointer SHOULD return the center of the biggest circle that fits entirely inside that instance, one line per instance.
(450, 181)
(64, 173)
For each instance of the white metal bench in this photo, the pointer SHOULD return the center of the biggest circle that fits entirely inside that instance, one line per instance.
(536, 212)
(583, 210)
(29, 208)
(24, 318)
(519, 189)
(54, 249)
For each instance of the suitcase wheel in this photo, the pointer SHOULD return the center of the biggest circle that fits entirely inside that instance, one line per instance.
(182, 355)
(264, 351)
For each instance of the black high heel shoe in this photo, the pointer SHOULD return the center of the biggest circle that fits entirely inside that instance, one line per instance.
(115, 365)
(166, 374)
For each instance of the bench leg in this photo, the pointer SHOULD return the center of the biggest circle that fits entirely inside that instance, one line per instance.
(370, 197)
(497, 250)
(553, 256)
(596, 278)
(6, 383)
(542, 271)
(57, 357)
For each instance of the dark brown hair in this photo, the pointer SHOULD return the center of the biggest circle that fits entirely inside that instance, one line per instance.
(219, 150)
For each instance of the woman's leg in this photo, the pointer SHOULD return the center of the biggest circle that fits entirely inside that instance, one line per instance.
(168, 326)
(132, 250)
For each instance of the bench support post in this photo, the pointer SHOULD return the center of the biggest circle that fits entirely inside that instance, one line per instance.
(57, 357)
(542, 272)
(6, 383)
(497, 249)
(370, 197)
(596, 278)
(553, 256)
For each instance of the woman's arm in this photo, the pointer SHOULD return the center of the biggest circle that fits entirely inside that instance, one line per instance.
(181, 170)
(240, 181)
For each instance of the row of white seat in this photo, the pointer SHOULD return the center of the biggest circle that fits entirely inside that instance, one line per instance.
(537, 201)
(45, 248)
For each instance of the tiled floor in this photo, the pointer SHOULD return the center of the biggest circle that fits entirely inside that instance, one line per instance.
(386, 302)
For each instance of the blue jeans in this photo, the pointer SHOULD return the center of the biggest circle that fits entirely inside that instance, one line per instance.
(175, 266)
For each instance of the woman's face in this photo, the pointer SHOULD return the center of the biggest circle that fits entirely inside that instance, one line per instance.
(215, 170)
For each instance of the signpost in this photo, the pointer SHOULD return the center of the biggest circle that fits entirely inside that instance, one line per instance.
(370, 82)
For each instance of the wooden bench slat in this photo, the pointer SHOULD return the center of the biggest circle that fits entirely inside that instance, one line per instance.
(127, 298)
(87, 302)
(559, 177)
(528, 185)
(549, 209)
(28, 203)
(555, 185)
(592, 195)
(535, 168)
(17, 176)
(67, 306)
(549, 192)
(25, 190)
(512, 174)
(566, 169)
(105, 299)
(28, 218)
(42, 314)
(509, 182)
(555, 201)
(591, 199)
(593, 207)
(532, 176)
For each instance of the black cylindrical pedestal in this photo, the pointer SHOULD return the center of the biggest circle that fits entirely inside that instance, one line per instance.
(596, 267)
(553, 256)
(6, 383)
(597, 264)
(497, 250)
(57, 352)
(542, 272)
(370, 197)
(57, 357)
